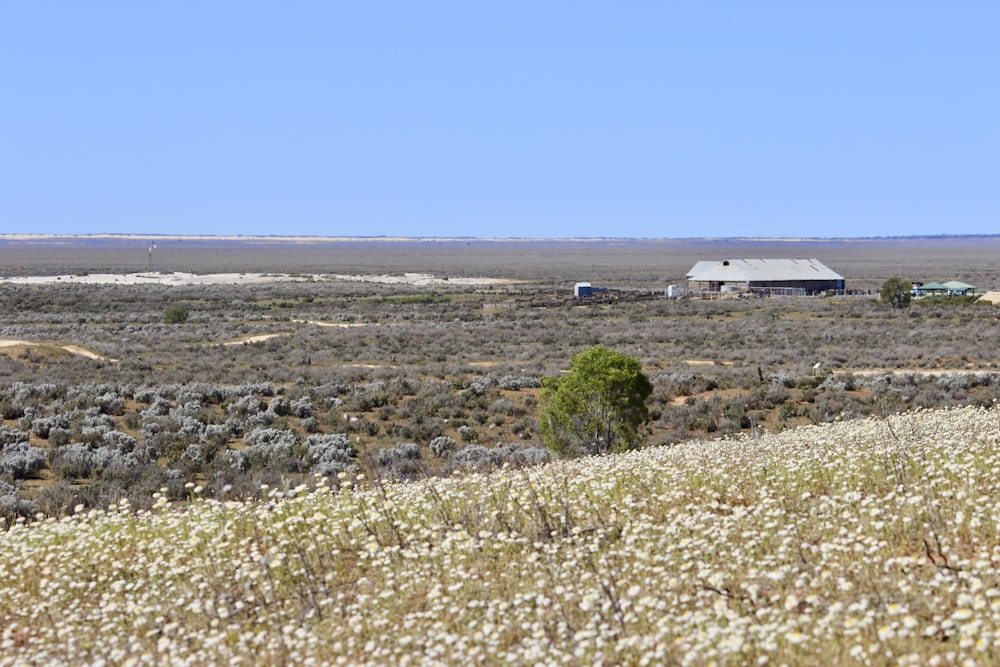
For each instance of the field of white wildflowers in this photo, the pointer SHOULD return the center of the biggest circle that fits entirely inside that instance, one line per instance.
(863, 542)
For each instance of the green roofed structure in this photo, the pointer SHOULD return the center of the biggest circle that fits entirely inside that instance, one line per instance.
(950, 288)
(932, 288)
(958, 287)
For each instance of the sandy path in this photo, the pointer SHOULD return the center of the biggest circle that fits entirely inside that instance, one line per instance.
(262, 337)
(82, 351)
(336, 325)
(72, 349)
(256, 339)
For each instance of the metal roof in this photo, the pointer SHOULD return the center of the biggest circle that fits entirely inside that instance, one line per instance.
(958, 285)
(761, 270)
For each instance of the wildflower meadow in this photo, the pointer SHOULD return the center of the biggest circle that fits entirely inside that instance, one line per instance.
(859, 542)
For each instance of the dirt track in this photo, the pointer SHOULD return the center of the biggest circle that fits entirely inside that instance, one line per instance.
(72, 349)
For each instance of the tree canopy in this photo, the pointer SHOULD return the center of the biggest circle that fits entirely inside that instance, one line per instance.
(175, 315)
(598, 407)
(896, 293)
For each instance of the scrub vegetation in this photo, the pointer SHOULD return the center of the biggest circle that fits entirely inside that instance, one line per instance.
(357, 471)
(272, 383)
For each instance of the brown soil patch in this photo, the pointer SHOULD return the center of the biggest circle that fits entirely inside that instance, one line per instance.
(721, 393)
(32, 352)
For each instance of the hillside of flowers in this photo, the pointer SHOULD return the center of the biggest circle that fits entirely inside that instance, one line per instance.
(860, 542)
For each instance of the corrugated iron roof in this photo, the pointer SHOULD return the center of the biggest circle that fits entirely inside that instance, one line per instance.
(766, 270)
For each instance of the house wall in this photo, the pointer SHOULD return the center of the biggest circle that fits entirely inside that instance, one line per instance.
(808, 285)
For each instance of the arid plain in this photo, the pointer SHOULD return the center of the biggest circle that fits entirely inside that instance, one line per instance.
(398, 342)
(617, 262)
(818, 479)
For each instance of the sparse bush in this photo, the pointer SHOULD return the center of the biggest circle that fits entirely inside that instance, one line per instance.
(22, 460)
(175, 315)
(43, 426)
(10, 436)
(530, 456)
(73, 461)
(477, 457)
(469, 434)
(280, 406)
(13, 507)
(403, 451)
(442, 446)
(331, 454)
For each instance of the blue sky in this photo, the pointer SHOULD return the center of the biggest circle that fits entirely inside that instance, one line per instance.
(500, 119)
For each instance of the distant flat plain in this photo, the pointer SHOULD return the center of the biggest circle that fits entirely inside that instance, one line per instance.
(652, 263)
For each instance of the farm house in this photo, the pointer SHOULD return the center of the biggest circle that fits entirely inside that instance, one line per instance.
(774, 276)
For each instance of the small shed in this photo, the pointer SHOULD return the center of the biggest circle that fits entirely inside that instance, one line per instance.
(583, 289)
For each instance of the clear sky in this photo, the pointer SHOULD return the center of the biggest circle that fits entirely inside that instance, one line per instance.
(491, 118)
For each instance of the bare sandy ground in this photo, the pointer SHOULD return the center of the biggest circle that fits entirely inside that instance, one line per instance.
(420, 280)
(992, 297)
(335, 325)
(260, 338)
(156, 278)
(178, 278)
(72, 349)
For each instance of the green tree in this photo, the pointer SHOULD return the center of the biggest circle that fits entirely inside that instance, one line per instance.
(896, 293)
(175, 315)
(598, 407)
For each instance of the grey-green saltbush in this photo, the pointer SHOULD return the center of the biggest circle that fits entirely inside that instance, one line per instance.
(119, 440)
(42, 426)
(22, 459)
(246, 405)
(10, 436)
(277, 437)
(331, 454)
(530, 456)
(477, 457)
(160, 407)
(442, 446)
(13, 506)
(403, 451)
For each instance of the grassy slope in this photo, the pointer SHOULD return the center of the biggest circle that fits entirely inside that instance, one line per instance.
(866, 540)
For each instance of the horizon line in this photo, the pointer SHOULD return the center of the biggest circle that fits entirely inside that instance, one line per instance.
(444, 239)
